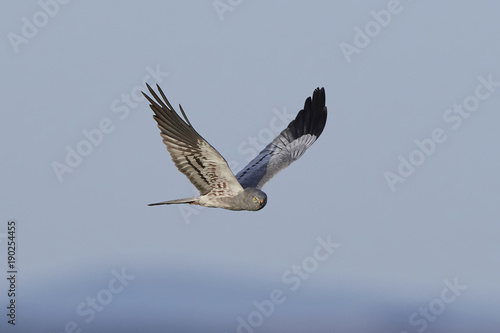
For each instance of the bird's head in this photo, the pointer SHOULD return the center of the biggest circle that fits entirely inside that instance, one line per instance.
(256, 199)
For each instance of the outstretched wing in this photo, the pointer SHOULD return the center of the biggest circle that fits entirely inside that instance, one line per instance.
(289, 146)
(192, 155)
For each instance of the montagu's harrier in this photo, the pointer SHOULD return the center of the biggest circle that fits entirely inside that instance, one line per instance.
(209, 171)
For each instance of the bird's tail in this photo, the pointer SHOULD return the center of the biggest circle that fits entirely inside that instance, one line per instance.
(192, 201)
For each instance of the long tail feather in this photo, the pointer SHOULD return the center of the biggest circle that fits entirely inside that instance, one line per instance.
(192, 200)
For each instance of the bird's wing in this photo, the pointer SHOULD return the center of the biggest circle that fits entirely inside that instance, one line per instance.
(289, 145)
(192, 155)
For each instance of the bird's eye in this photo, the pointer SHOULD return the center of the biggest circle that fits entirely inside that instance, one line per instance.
(255, 199)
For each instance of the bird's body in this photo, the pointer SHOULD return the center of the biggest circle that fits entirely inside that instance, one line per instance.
(209, 171)
(240, 201)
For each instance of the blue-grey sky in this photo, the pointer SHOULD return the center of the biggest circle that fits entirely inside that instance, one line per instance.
(388, 223)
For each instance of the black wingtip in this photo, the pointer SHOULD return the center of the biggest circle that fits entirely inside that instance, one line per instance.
(319, 96)
(311, 119)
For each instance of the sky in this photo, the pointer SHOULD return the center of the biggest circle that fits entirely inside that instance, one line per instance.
(388, 223)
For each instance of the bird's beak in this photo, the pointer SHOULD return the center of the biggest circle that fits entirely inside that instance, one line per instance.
(261, 201)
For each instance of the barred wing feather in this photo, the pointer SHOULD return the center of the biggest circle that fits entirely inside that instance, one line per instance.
(192, 155)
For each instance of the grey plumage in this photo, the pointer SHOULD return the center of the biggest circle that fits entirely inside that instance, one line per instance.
(209, 171)
(289, 145)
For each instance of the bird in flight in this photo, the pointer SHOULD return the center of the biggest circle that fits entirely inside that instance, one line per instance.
(209, 171)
